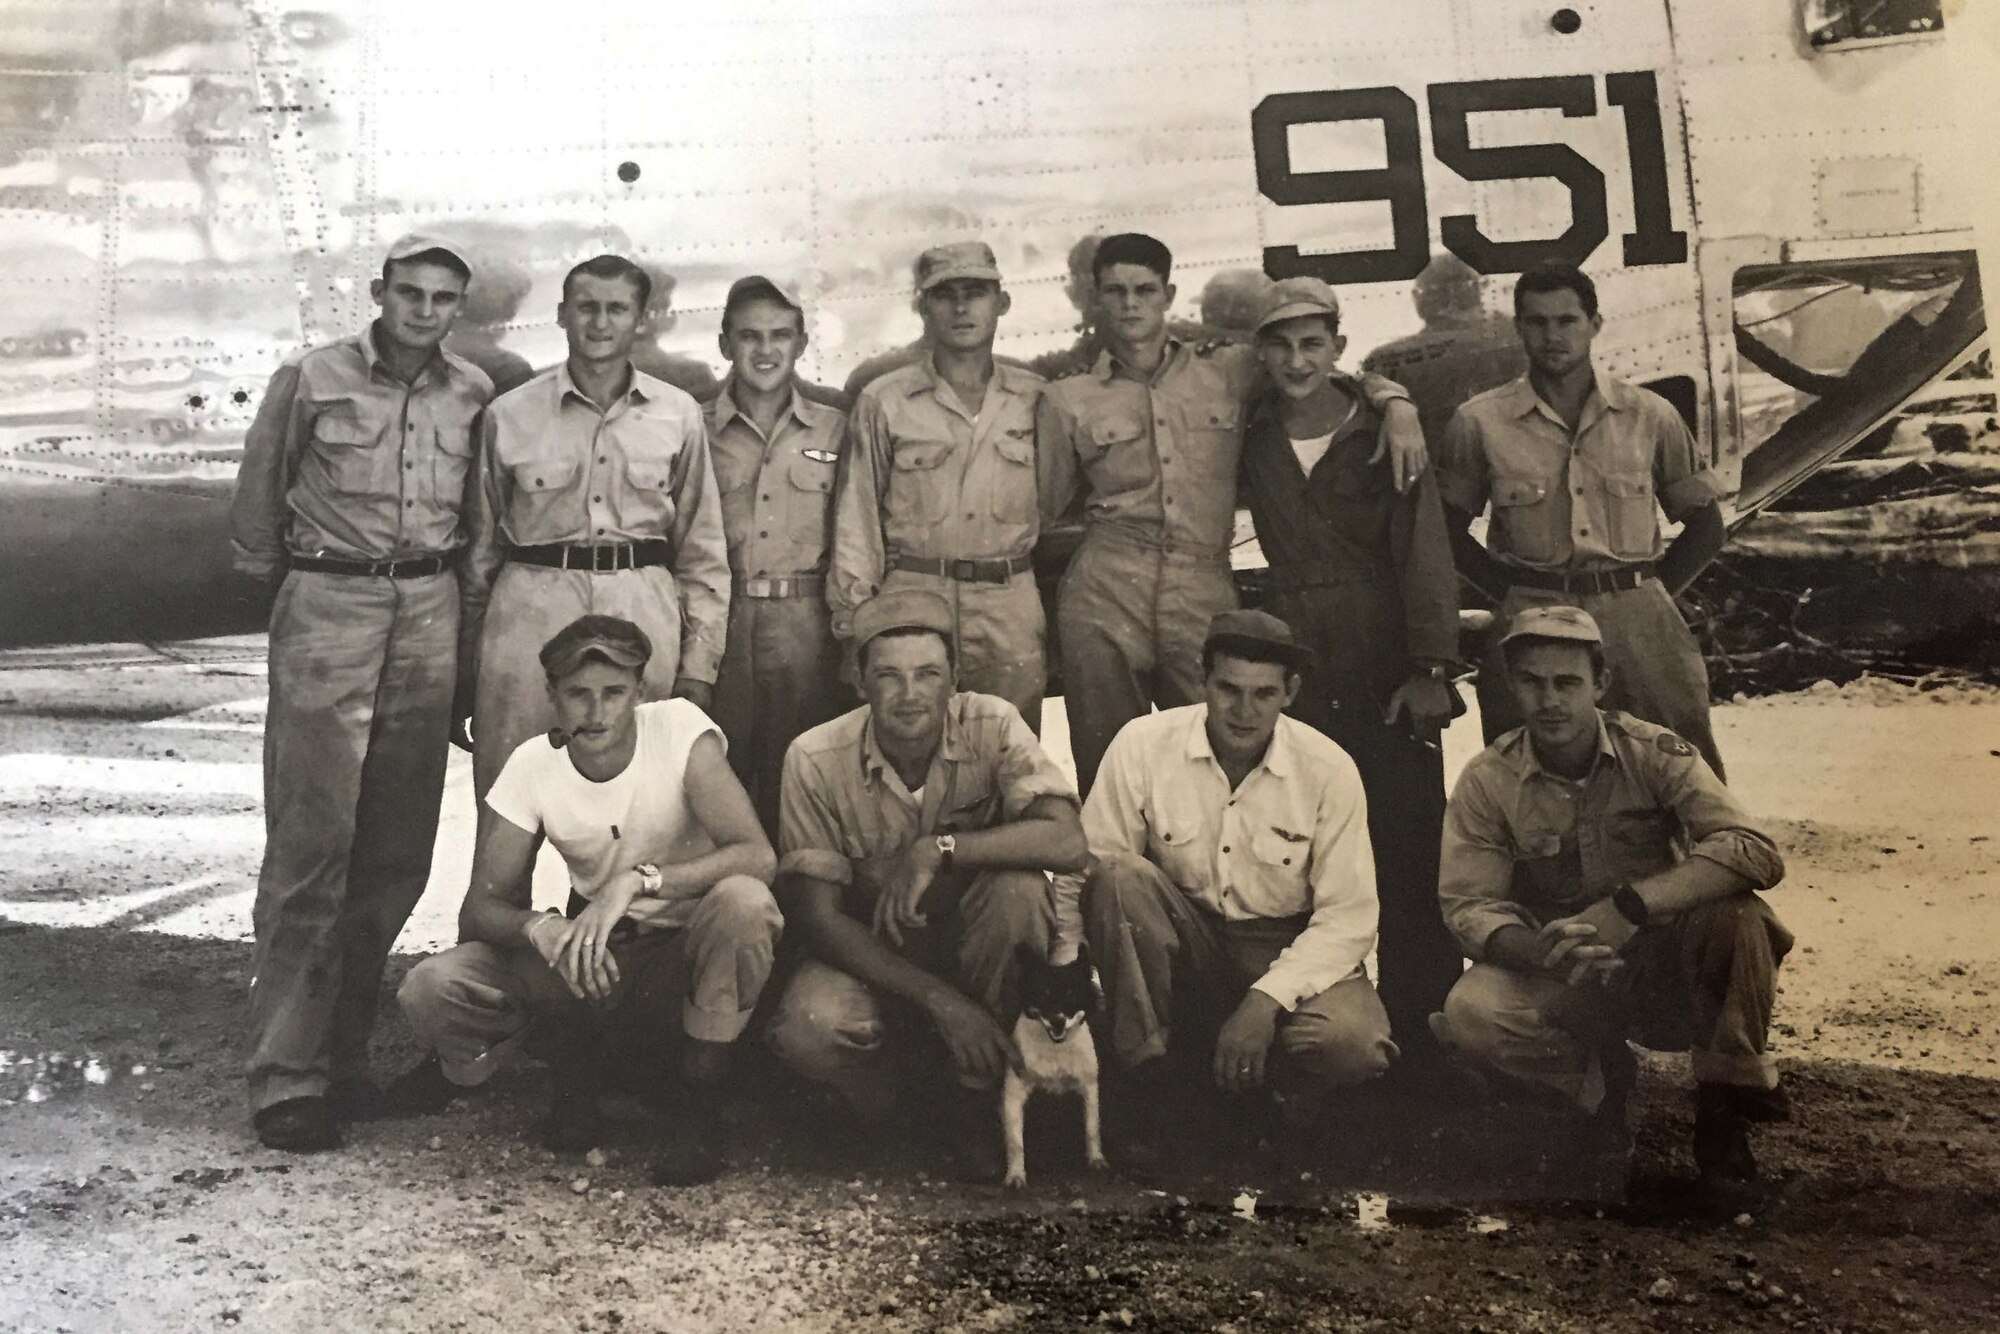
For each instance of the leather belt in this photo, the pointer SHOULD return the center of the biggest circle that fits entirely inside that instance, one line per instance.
(1298, 578)
(997, 570)
(408, 567)
(604, 558)
(1582, 581)
(790, 586)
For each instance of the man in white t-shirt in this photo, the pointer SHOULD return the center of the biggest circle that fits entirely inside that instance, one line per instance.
(673, 925)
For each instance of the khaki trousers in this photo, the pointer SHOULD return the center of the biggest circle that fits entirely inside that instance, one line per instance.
(1704, 983)
(476, 1004)
(1174, 973)
(780, 676)
(355, 744)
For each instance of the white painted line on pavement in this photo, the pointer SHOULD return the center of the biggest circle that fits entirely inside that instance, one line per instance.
(104, 905)
(123, 777)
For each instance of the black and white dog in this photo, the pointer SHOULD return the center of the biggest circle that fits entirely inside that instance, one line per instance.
(1053, 1034)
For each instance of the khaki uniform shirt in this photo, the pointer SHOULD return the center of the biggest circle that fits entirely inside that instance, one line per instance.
(1523, 846)
(844, 803)
(345, 460)
(923, 477)
(1585, 500)
(777, 494)
(1291, 839)
(555, 468)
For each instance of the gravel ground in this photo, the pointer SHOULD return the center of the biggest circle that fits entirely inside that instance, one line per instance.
(133, 1198)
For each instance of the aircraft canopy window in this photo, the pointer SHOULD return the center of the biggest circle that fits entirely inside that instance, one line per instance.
(1826, 351)
(1840, 25)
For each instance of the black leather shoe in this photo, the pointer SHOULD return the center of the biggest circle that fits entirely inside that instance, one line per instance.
(421, 1090)
(298, 1125)
(355, 1098)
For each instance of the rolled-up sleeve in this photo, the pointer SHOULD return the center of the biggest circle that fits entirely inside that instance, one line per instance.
(1717, 826)
(701, 559)
(1476, 866)
(858, 552)
(1026, 773)
(258, 517)
(1341, 930)
(1682, 479)
(809, 841)
(1464, 480)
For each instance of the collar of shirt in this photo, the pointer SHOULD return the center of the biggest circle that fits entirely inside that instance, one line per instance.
(1109, 367)
(436, 368)
(1007, 379)
(1531, 764)
(642, 388)
(875, 766)
(1277, 755)
(1608, 394)
(726, 410)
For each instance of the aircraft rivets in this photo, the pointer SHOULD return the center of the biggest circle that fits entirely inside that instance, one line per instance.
(1566, 21)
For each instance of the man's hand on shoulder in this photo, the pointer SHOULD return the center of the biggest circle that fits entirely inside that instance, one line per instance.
(1401, 441)
(701, 694)
(1244, 1044)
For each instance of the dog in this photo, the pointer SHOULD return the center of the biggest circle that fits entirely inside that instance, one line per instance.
(1053, 1034)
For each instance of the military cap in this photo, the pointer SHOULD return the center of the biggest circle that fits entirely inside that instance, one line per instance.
(412, 244)
(1290, 298)
(1571, 623)
(904, 609)
(757, 287)
(616, 641)
(1259, 632)
(960, 259)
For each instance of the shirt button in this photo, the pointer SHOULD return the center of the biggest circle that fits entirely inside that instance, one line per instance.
(968, 514)
(409, 504)
(602, 459)
(763, 534)
(410, 467)
(767, 497)
(1225, 847)
(597, 500)
(600, 532)
(1585, 531)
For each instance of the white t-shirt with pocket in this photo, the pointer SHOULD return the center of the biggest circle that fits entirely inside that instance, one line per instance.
(640, 815)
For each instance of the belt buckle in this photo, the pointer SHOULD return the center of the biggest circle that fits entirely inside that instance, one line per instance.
(964, 570)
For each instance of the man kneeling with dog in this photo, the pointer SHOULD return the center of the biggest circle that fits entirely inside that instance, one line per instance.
(672, 928)
(915, 835)
(1231, 899)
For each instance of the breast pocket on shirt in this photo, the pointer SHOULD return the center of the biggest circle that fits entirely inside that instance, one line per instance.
(811, 498)
(1541, 882)
(540, 488)
(1629, 515)
(1216, 434)
(1013, 488)
(920, 485)
(1114, 455)
(1283, 858)
(1174, 847)
(452, 459)
(1525, 518)
(349, 439)
(1639, 842)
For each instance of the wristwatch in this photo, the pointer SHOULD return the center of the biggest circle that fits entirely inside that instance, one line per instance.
(1630, 906)
(650, 879)
(1433, 671)
(947, 844)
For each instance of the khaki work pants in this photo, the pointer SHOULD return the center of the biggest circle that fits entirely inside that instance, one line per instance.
(830, 1028)
(1656, 668)
(1000, 633)
(780, 676)
(1130, 622)
(476, 1004)
(1705, 983)
(355, 743)
(1174, 973)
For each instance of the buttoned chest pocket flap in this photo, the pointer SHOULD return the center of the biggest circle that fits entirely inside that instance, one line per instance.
(734, 469)
(348, 438)
(653, 471)
(1629, 514)
(538, 487)
(453, 456)
(1013, 492)
(1174, 846)
(812, 496)
(920, 485)
(1519, 511)
(1538, 870)
(1640, 840)
(1114, 454)
(1217, 437)
(1283, 855)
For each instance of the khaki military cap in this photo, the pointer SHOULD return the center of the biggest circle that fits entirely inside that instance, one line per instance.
(1571, 623)
(960, 259)
(1290, 298)
(1259, 632)
(412, 244)
(616, 641)
(904, 609)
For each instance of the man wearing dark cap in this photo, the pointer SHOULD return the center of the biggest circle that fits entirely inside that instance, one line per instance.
(1151, 431)
(938, 488)
(1604, 883)
(596, 494)
(776, 454)
(351, 502)
(672, 928)
(1362, 572)
(916, 835)
(1231, 896)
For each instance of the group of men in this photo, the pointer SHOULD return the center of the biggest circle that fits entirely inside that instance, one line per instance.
(652, 617)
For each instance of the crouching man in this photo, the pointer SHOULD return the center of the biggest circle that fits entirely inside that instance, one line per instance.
(1231, 899)
(673, 927)
(917, 831)
(1603, 881)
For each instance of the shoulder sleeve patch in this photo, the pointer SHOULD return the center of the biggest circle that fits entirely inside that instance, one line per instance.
(1673, 745)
